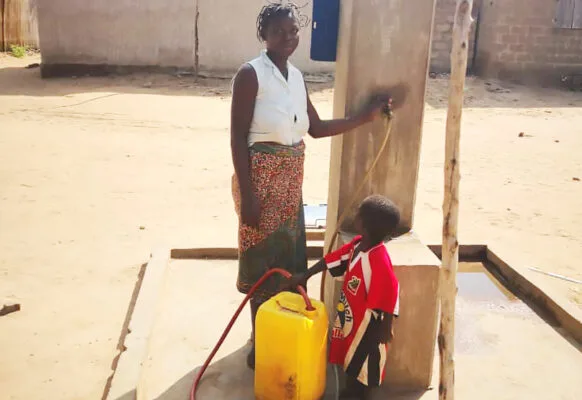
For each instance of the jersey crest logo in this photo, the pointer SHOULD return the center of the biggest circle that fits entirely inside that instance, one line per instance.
(353, 285)
(344, 319)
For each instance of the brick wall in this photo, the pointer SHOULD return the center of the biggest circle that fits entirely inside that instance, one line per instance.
(442, 35)
(518, 41)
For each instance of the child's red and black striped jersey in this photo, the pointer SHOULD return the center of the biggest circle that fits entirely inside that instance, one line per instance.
(370, 289)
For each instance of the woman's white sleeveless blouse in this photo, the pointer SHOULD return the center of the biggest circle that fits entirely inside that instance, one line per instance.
(280, 114)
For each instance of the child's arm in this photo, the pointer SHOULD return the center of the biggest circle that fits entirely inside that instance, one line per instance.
(380, 327)
(302, 278)
(386, 332)
(320, 266)
(335, 262)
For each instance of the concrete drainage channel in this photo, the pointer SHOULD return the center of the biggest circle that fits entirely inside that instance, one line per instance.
(517, 283)
(500, 307)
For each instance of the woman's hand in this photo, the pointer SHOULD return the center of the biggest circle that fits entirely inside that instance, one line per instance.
(381, 100)
(250, 210)
(377, 103)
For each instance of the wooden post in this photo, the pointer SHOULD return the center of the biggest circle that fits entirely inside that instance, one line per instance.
(450, 258)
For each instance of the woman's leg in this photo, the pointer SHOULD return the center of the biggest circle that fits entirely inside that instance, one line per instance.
(251, 356)
(277, 173)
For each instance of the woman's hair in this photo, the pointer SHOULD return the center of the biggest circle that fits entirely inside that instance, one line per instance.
(273, 11)
(379, 216)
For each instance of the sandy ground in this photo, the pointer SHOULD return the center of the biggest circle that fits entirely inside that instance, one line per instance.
(95, 172)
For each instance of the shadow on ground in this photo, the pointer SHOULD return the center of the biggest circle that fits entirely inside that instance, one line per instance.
(20, 81)
(230, 379)
(490, 93)
(479, 93)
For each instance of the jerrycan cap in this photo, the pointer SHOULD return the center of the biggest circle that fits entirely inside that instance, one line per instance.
(309, 313)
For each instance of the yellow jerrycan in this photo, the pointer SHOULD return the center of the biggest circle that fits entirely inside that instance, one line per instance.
(290, 349)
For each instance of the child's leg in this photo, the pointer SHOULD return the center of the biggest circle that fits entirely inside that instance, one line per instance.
(350, 389)
(355, 390)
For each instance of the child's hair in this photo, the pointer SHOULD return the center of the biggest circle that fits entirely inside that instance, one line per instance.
(380, 217)
(273, 11)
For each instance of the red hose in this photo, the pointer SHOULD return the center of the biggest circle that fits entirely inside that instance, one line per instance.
(280, 271)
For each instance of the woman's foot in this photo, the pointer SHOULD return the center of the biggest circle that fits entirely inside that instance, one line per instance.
(251, 358)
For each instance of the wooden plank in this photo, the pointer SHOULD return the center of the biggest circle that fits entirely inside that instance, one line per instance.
(314, 250)
(315, 234)
(126, 377)
(564, 14)
(13, 30)
(467, 252)
(450, 256)
(577, 17)
(18, 25)
(382, 44)
(3, 46)
(218, 253)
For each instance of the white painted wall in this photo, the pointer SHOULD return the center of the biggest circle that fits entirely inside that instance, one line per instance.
(227, 32)
(157, 33)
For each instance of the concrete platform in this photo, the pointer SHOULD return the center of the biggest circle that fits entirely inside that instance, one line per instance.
(504, 350)
(198, 302)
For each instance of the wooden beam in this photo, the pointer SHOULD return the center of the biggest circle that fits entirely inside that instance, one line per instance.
(467, 252)
(314, 250)
(450, 257)
(216, 253)
(315, 234)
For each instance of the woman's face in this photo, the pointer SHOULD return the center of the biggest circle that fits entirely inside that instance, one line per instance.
(282, 36)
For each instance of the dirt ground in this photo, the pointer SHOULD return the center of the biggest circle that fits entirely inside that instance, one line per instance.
(95, 172)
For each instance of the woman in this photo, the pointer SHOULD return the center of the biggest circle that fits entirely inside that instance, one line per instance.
(271, 111)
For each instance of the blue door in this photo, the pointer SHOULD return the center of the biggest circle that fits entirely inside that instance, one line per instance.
(324, 30)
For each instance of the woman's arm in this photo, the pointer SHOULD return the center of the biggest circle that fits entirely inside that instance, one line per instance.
(320, 129)
(245, 89)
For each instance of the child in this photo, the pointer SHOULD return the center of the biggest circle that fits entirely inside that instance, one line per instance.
(369, 297)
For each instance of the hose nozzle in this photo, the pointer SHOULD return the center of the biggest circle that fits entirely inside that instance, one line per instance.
(387, 111)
